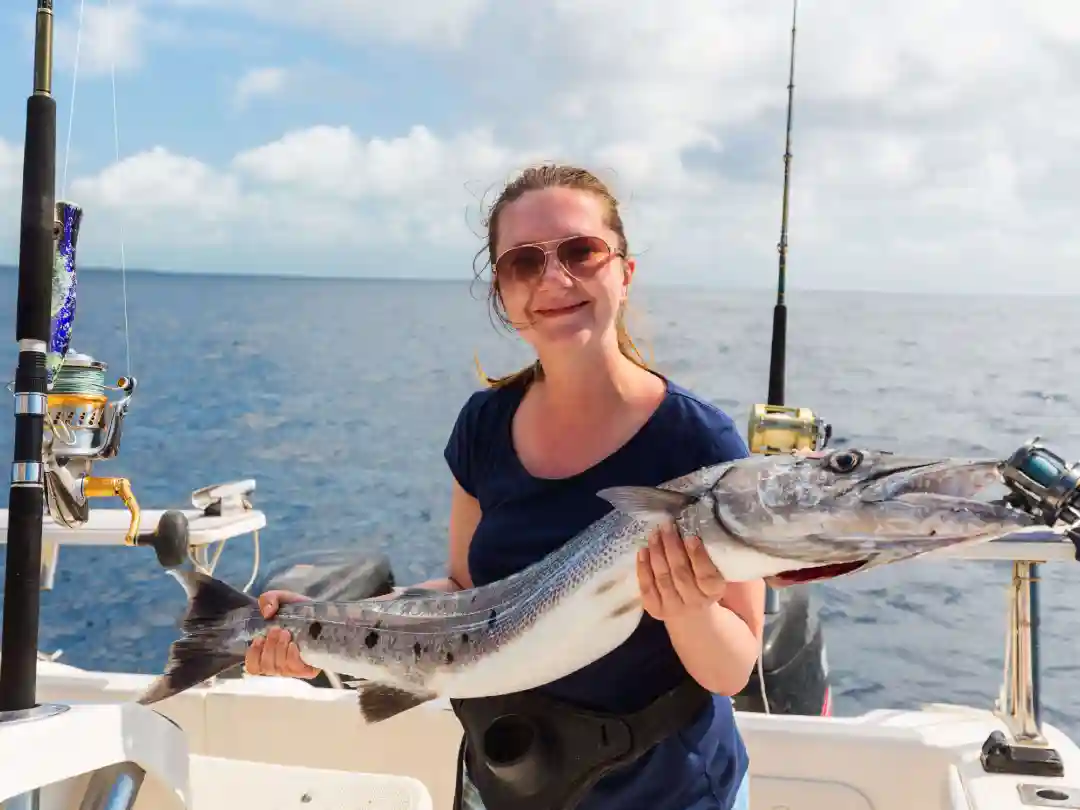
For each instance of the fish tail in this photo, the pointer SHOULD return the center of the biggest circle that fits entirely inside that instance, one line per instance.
(203, 649)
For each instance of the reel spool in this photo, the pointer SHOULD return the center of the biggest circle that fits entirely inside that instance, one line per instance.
(781, 429)
(77, 403)
(1044, 485)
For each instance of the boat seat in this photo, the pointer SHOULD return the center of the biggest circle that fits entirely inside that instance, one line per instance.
(219, 783)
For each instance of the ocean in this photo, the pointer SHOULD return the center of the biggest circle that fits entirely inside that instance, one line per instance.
(337, 396)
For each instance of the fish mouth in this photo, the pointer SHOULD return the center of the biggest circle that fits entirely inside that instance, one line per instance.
(907, 507)
(946, 478)
(802, 576)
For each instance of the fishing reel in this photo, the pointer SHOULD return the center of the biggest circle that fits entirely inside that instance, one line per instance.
(776, 429)
(1045, 486)
(82, 424)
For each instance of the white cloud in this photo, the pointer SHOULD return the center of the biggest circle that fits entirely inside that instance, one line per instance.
(112, 35)
(933, 143)
(333, 161)
(263, 82)
(156, 181)
(321, 187)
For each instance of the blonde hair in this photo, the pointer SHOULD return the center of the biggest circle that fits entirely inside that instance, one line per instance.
(536, 178)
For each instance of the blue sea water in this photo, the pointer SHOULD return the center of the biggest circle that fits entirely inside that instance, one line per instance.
(338, 396)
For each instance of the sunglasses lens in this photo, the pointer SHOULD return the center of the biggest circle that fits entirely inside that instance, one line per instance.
(523, 264)
(583, 256)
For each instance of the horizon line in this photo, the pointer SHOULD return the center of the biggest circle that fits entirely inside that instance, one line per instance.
(1026, 292)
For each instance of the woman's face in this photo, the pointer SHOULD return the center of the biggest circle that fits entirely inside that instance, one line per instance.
(559, 275)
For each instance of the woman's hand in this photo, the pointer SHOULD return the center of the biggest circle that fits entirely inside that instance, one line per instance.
(676, 576)
(277, 653)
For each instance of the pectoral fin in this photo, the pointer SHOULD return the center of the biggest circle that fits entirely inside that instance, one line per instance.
(647, 503)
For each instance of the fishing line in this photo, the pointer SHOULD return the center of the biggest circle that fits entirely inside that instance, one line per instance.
(71, 108)
(79, 380)
(116, 155)
(120, 218)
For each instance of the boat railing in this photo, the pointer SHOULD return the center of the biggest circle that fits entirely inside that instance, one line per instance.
(224, 511)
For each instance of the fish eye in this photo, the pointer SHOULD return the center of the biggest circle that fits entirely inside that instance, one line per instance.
(845, 461)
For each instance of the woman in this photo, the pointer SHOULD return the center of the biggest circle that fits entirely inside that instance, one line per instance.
(527, 456)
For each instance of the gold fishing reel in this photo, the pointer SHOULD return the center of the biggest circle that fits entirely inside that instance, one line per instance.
(781, 429)
(83, 426)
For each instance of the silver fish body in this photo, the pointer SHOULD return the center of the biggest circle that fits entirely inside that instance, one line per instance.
(791, 518)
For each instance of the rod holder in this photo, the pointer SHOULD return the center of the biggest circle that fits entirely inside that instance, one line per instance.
(1025, 751)
(30, 800)
(1017, 702)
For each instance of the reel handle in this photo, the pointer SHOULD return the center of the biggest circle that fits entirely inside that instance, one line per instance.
(169, 539)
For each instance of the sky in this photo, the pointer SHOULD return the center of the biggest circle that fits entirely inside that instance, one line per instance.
(934, 143)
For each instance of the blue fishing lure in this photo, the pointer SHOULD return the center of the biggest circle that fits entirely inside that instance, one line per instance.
(64, 286)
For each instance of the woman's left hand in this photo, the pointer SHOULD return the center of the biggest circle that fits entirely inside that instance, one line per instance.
(676, 576)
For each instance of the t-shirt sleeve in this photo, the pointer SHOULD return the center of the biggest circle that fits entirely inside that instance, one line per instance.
(729, 444)
(460, 451)
(718, 439)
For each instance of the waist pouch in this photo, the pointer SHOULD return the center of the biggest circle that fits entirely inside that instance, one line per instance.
(527, 751)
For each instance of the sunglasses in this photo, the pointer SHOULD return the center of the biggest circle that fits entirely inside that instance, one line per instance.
(580, 256)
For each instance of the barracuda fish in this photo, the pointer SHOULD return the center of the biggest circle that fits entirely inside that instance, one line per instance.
(791, 519)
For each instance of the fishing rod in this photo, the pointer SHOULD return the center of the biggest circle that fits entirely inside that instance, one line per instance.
(774, 427)
(22, 579)
(778, 353)
(64, 420)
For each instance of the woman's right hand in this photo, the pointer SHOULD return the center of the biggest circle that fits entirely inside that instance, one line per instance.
(277, 653)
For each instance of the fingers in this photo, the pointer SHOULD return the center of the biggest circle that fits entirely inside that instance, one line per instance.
(674, 574)
(661, 572)
(681, 576)
(658, 594)
(296, 666)
(271, 601)
(274, 650)
(253, 656)
(276, 653)
(650, 596)
(708, 578)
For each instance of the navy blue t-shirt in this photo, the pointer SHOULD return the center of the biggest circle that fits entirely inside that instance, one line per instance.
(524, 518)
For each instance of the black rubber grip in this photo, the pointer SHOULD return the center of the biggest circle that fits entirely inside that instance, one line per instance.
(36, 247)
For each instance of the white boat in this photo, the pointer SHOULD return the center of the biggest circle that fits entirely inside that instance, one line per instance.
(74, 739)
(221, 745)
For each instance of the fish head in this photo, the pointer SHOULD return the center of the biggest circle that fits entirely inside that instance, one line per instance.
(811, 480)
(834, 512)
(804, 517)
